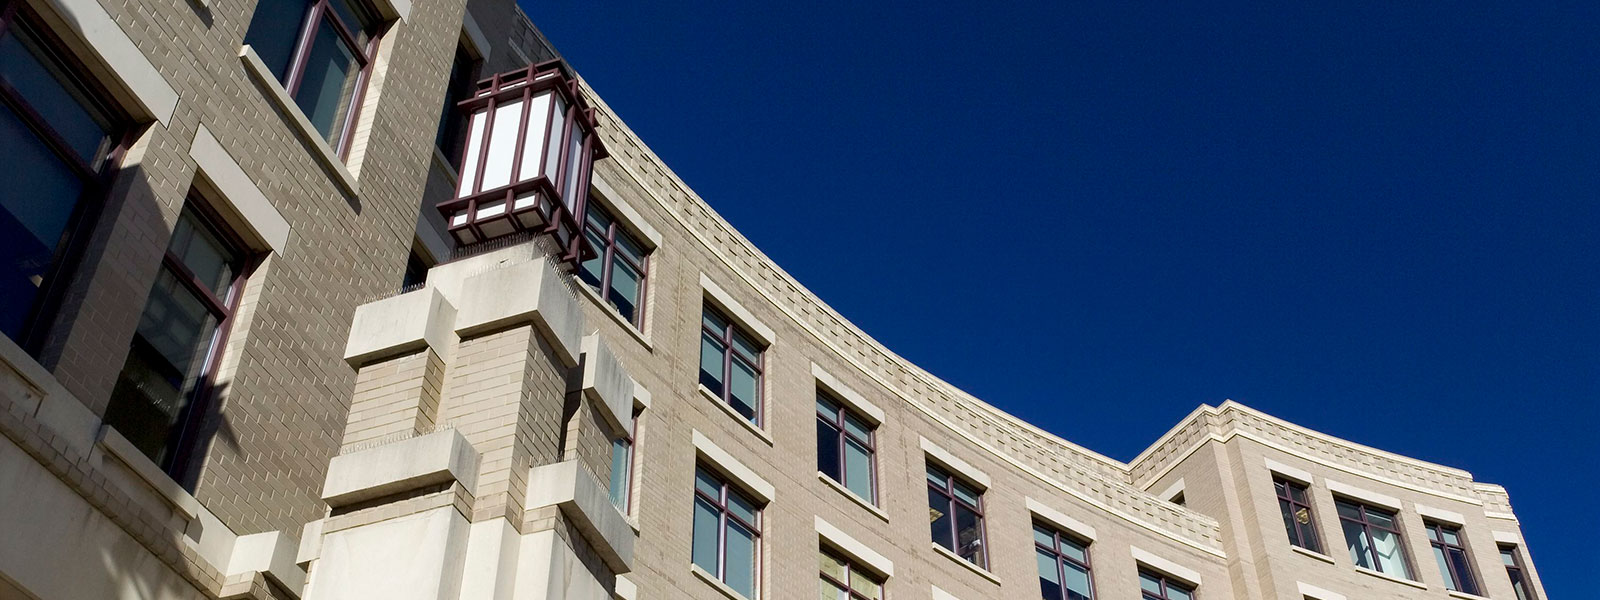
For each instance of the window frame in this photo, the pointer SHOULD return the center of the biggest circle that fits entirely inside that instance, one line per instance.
(96, 180)
(1367, 526)
(851, 570)
(1061, 558)
(1285, 488)
(731, 350)
(318, 14)
(1437, 543)
(628, 438)
(1165, 583)
(838, 424)
(951, 498)
(608, 254)
(726, 489)
(1516, 572)
(454, 126)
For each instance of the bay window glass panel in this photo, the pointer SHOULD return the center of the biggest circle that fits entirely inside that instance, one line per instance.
(163, 367)
(552, 161)
(969, 535)
(1391, 558)
(38, 193)
(1360, 549)
(1444, 568)
(274, 30)
(939, 518)
(592, 271)
(707, 529)
(328, 85)
(569, 193)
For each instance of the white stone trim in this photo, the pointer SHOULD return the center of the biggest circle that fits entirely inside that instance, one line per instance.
(960, 468)
(250, 210)
(1438, 514)
(1508, 537)
(728, 465)
(728, 410)
(124, 451)
(641, 396)
(837, 539)
(112, 48)
(302, 125)
(611, 313)
(1312, 553)
(1288, 472)
(587, 504)
(440, 457)
(432, 241)
(1368, 496)
(939, 594)
(270, 553)
(1465, 596)
(716, 584)
(310, 542)
(980, 571)
(1059, 520)
(606, 382)
(1315, 593)
(737, 312)
(475, 38)
(1381, 575)
(1172, 490)
(629, 217)
(401, 324)
(862, 502)
(625, 589)
(844, 394)
(1148, 559)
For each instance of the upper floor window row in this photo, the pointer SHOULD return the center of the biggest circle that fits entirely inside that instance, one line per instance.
(322, 52)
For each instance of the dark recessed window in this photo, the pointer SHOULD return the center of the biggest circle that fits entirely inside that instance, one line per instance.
(845, 448)
(452, 135)
(955, 515)
(1178, 499)
(617, 272)
(1294, 501)
(1519, 581)
(727, 532)
(1063, 565)
(1155, 586)
(322, 51)
(60, 143)
(1373, 536)
(163, 392)
(1450, 551)
(730, 364)
(416, 272)
(622, 467)
(844, 580)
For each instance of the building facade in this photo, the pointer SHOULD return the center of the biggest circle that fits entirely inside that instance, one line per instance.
(300, 299)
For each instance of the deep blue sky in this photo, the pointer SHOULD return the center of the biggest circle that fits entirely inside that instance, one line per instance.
(1379, 222)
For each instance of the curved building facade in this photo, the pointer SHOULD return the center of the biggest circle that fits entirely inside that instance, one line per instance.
(337, 312)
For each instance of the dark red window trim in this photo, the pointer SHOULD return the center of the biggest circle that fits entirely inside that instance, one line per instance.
(724, 515)
(1166, 584)
(851, 572)
(836, 420)
(1367, 526)
(320, 14)
(1304, 535)
(731, 352)
(609, 253)
(948, 491)
(1515, 572)
(1463, 582)
(1062, 559)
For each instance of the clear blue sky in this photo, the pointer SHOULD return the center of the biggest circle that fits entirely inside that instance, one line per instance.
(1379, 222)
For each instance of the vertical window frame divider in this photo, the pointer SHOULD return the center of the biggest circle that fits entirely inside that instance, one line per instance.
(730, 329)
(871, 443)
(1431, 526)
(723, 514)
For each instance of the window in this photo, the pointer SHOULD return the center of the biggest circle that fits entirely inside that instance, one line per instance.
(617, 271)
(1154, 586)
(843, 580)
(322, 51)
(452, 135)
(730, 364)
(1294, 501)
(60, 144)
(1373, 536)
(1451, 553)
(1178, 499)
(622, 467)
(160, 398)
(955, 513)
(416, 272)
(845, 448)
(1063, 565)
(1519, 583)
(727, 532)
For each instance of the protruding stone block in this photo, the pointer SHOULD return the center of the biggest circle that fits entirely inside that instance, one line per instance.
(527, 292)
(436, 458)
(401, 324)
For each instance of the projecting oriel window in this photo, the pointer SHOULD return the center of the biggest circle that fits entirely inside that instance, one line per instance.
(617, 272)
(727, 533)
(1373, 536)
(1063, 565)
(322, 51)
(1519, 580)
(60, 144)
(163, 393)
(730, 364)
(955, 515)
(845, 580)
(1450, 551)
(1155, 586)
(1294, 502)
(845, 448)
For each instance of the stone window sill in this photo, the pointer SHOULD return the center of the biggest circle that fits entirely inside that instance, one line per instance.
(719, 403)
(124, 451)
(1379, 575)
(593, 296)
(302, 125)
(965, 563)
(862, 502)
(1312, 553)
(1465, 596)
(716, 583)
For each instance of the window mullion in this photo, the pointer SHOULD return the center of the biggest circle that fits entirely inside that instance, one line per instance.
(302, 49)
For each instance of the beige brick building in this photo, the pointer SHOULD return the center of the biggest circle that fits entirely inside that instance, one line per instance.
(245, 355)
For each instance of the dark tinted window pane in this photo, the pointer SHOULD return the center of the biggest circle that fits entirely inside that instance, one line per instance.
(828, 451)
(858, 469)
(354, 16)
(452, 123)
(939, 518)
(711, 366)
(40, 81)
(624, 292)
(204, 254)
(274, 29)
(592, 270)
(969, 535)
(744, 390)
(37, 195)
(416, 271)
(1049, 575)
(328, 84)
(175, 335)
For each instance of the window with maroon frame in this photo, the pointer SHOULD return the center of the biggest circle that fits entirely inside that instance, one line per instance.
(322, 52)
(1294, 502)
(955, 516)
(1519, 581)
(60, 143)
(845, 448)
(845, 580)
(1155, 586)
(1450, 551)
(1063, 565)
(1373, 536)
(452, 135)
(727, 533)
(164, 391)
(617, 271)
(730, 364)
(621, 487)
